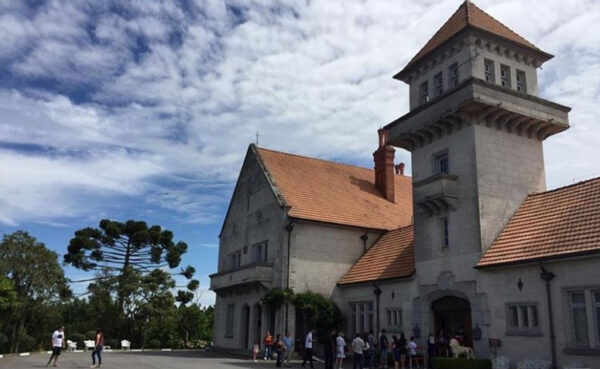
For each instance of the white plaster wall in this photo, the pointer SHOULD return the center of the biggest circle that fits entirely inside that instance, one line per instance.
(501, 288)
(509, 167)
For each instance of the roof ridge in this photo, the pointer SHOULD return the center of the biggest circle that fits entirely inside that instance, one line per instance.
(319, 159)
(564, 187)
(530, 44)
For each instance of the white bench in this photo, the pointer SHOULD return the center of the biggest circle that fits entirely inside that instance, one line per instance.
(89, 344)
(71, 346)
(125, 345)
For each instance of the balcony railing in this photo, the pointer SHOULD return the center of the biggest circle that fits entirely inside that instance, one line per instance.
(247, 276)
(437, 193)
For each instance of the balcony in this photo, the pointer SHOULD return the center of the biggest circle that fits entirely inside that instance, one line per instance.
(245, 278)
(436, 194)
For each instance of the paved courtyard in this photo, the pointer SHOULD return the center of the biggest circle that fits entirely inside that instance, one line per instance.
(145, 360)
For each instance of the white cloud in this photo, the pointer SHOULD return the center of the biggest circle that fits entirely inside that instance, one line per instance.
(160, 102)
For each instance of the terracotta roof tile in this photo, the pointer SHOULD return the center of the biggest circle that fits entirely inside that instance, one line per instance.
(468, 14)
(392, 256)
(561, 222)
(337, 193)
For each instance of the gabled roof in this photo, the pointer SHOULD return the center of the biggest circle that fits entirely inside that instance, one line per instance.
(392, 256)
(331, 192)
(559, 223)
(469, 15)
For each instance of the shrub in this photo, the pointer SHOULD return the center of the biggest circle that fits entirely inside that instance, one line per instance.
(154, 344)
(90, 335)
(78, 338)
(27, 343)
(112, 342)
(460, 363)
(3, 342)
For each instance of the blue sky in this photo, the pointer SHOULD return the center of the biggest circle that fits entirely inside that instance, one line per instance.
(144, 110)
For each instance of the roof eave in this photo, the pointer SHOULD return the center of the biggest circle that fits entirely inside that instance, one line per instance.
(403, 74)
(524, 262)
(355, 284)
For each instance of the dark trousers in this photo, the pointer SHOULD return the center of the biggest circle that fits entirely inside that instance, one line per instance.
(328, 359)
(359, 361)
(97, 352)
(308, 356)
(279, 357)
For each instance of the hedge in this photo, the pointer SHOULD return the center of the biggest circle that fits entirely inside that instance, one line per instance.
(460, 363)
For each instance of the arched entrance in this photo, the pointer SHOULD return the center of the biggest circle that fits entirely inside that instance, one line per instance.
(245, 326)
(453, 315)
(258, 323)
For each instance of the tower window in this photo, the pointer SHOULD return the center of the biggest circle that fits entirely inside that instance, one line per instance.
(441, 163)
(489, 71)
(424, 92)
(438, 81)
(260, 252)
(453, 75)
(445, 232)
(521, 84)
(505, 75)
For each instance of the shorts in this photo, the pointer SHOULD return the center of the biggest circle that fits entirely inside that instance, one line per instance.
(56, 350)
(339, 354)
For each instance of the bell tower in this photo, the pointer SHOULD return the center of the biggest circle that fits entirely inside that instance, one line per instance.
(475, 130)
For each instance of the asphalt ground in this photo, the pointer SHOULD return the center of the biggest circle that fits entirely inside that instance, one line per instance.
(145, 360)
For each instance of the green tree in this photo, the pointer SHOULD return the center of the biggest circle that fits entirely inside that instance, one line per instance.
(124, 254)
(37, 279)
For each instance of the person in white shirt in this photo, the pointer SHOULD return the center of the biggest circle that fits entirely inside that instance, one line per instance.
(58, 342)
(412, 352)
(340, 352)
(308, 349)
(358, 345)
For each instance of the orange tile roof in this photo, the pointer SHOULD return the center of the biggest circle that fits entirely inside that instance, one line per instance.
(392, 256)
(337, 193)
(468, 14)
(557, 223)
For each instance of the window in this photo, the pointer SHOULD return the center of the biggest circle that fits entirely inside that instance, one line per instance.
(489, 71)
(522, 319)
(453, 75)
(505, 75)
(438, 82)
(440, 163)
(521, 84)
(229, 322)
(361, 317)
(424, 92)
(445, 232)
(260, 252)
(579, 323)
(394, 318)
(235, 260)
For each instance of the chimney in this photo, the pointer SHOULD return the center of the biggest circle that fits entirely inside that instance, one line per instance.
(384, 167)
(399, 169)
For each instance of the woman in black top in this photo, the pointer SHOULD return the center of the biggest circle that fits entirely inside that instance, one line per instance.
(402, 343)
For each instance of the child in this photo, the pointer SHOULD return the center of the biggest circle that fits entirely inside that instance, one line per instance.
(255, 350)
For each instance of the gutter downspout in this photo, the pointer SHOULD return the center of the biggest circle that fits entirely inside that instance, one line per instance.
(547, 277)
(288, 228)
(364, 239)
(377, 292)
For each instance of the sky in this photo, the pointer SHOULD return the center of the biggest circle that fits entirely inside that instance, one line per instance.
(144, 109)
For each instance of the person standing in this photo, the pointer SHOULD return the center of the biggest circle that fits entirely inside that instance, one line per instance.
(58, 342)
(268, 342)
(372, 349)
(396, 351)
(358, 345)
(255, 350)
(403, 350)
(412, 352)
(287, 341)
(430, 350)
(279, 348)
(384, 346)
(330, 350)
(99, 343)
(340, 352)
(308, 349)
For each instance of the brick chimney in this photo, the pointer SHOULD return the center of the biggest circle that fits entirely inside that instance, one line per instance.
(384, 167)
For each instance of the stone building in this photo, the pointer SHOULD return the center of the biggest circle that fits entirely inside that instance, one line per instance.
(472, 244)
